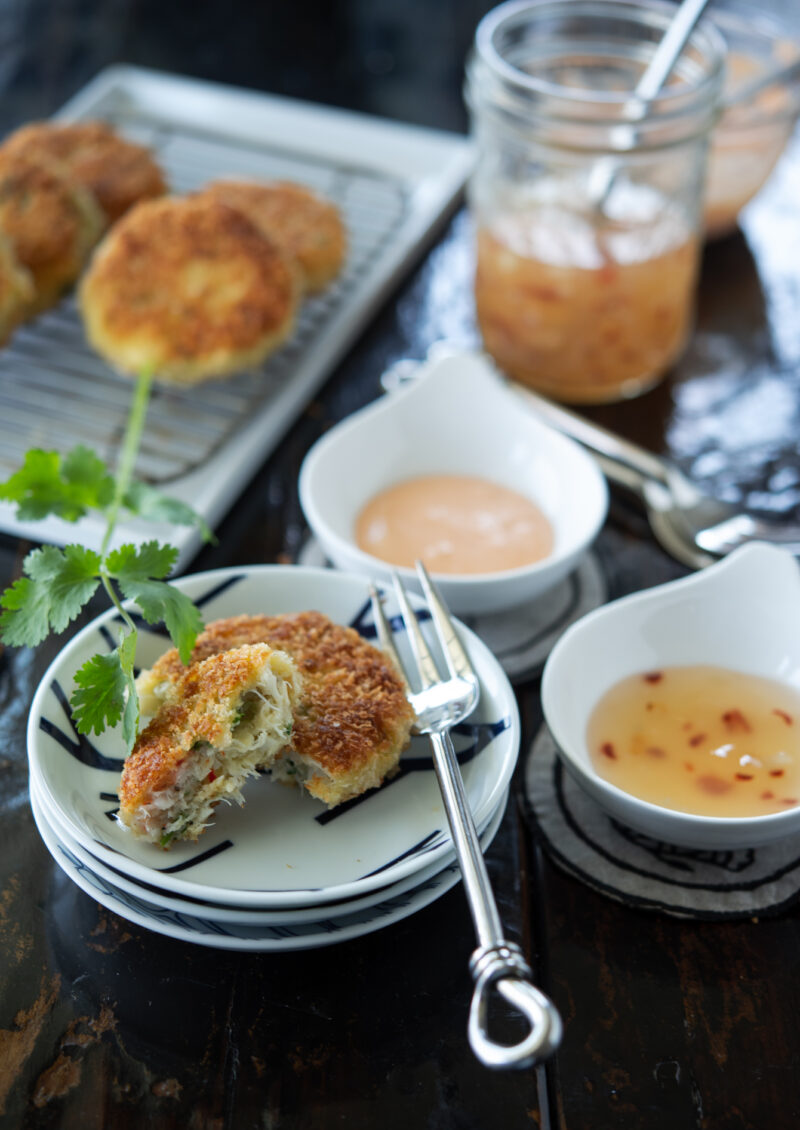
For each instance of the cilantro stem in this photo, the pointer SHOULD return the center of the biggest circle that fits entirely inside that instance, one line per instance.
(127, 460)
(112, 594)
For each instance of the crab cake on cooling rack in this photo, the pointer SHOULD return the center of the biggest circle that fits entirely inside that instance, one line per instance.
(16, 291)
(229, 716)
(117, 172)
(353, 719)
(188, 288)
(51, 222)
(307, 226)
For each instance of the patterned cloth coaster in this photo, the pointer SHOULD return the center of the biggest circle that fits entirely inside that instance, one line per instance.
(522, 639)
(629, 866)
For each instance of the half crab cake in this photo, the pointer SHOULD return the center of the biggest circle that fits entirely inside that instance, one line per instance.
(353, 720)
(306, 225)
(117, 172)
(228, 717)
(16, 291)
(189, 289)
(51, 222)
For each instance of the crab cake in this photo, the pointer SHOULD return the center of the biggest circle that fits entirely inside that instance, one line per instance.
(353, 719)
(230, 716)
(188, 288)
(305, 225)
(51, 222)
(117, 172)
(16, 291)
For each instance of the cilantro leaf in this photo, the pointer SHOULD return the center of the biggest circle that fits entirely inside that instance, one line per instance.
(67, 486)
(137, 571)
(99, 697)
(57, 586)
(131, 562)
(149, 503)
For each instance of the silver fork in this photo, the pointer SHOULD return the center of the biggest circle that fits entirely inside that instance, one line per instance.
(439, 704)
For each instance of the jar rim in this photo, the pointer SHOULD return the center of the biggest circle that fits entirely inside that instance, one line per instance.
(706, 38)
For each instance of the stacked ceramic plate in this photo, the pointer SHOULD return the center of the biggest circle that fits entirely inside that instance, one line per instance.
(282, 872)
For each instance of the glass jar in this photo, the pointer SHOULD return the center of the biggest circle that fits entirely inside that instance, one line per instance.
(588, 220)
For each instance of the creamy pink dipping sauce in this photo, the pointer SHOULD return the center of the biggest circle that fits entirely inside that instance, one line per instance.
(454, 524)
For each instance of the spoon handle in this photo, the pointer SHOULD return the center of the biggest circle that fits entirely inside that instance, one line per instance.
(623, 461)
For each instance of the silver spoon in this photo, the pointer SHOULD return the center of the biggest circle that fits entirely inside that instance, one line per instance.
(691, 526)
(658, 70)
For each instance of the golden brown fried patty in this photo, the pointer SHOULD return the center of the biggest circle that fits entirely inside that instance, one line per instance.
(189, 288)
(51, 222)
(305, 225)
(16, 291)
(231, 715)
(117, 172)
(353, 720)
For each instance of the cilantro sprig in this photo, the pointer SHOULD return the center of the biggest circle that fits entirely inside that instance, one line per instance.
(58, 583)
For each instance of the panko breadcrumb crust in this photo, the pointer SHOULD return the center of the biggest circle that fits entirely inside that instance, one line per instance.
(203, 711)
(117, 172)
(353, 719)
(188, 288)
(305, 225)
(50, 221)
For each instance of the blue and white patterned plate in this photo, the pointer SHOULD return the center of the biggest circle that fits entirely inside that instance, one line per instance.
(325, 930)
(241, 917)
(282, 849)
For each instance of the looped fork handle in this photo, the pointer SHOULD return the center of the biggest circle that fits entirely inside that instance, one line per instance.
(503, 967)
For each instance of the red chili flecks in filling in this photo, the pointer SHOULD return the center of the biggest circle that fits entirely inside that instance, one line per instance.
(212, 776)
(776, 772)
(608, 750)
(656, 751)
(735, 720)
(744, 776)
(767, 795)
(786, 717)
(653, 676)
(697, 739)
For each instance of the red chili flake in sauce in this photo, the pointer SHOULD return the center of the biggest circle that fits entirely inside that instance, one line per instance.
(716, 785)
(786, 717)
(697, 739)
(789, 800)
(735, 720)
(743, 776)
(656, 751)
(688, 766)
(653, 676)
(608, 750)
(768, 795)
(776, 772)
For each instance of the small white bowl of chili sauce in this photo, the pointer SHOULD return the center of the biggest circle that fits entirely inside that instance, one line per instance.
(678, 708)
(451, 470)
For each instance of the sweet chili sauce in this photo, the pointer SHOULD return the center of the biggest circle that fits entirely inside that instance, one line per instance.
(700, 739)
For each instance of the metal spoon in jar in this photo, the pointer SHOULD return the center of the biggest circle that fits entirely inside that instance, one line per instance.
(658, 70)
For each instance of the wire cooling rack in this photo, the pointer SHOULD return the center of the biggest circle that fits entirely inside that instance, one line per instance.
(391, 183)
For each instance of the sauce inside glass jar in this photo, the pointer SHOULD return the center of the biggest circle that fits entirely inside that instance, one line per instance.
(584, 306)
(700, 739)
(454, 524)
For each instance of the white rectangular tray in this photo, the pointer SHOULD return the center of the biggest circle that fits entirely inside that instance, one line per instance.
(392, 183)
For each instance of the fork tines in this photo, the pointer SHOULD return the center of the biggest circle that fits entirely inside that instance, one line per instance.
(455, 656)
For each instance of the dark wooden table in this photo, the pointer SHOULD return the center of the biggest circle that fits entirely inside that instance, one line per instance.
(669, 1023)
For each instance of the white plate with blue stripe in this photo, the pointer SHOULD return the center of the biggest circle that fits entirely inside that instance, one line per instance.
(188, 925)
(281, 849)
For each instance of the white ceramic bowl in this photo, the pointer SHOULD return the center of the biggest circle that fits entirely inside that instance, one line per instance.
(743, 614)
(456, 417)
